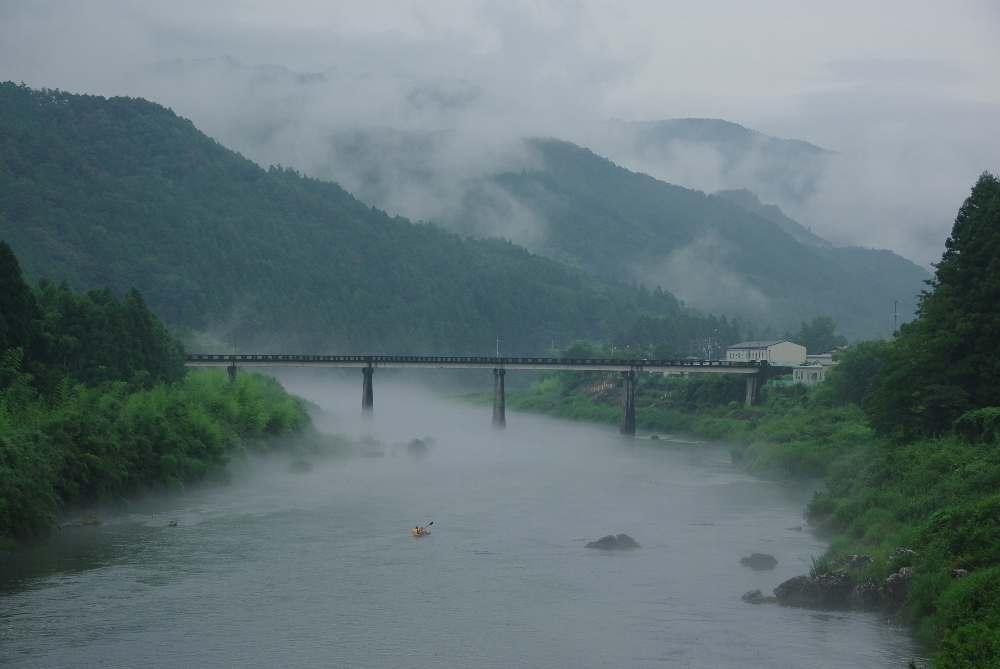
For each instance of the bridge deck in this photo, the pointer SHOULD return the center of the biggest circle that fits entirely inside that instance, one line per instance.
(458, 362)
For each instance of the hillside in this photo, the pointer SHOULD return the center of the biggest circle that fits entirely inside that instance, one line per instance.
(707, 250)
(695, 152)
(121, 192)
(752, 203)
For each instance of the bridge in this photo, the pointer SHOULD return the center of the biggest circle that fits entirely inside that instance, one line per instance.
(756, 372)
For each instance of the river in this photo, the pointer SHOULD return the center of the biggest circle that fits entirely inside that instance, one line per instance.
(318, 569)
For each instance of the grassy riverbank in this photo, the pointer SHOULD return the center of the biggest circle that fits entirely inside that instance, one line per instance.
(95, 406)
(907, 434)
(935, 496)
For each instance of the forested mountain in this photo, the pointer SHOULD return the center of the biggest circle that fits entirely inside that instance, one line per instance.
(751, 202)
(705, 249)
(679, 150)
(121, 192)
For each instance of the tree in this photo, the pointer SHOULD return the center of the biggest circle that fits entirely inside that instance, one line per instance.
(818, 336)
(18, 311)
(947, 360)
(854, 376)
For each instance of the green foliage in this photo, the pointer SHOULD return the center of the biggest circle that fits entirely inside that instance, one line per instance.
(121, 192)
(677, 330)
(95, 406)
(611, 220)
(818, 335)
(946, 362)
(818, 566)
(106, 442)
(974, 645)
(18, 312)
(980, 426)
(854, 376)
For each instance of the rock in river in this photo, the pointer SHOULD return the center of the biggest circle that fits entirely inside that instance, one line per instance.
(759, 561)
(833, 589)
(757, 597)
(896, 588)
(613, 541)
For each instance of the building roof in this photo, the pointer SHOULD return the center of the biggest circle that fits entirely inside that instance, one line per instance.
(756, 344)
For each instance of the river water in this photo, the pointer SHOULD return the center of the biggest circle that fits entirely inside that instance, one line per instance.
(319, 569)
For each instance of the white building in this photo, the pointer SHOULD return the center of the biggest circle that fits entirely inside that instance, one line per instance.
(809, 374)
(783, 353)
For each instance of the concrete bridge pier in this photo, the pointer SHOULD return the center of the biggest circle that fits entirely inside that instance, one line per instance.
(499, 401)
(232, 372)
(628, 403)
(367, 397)
(754, 383)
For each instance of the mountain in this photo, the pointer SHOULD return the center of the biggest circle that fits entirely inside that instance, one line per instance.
(706, 249)
(751, 202)
(712, 154)
(122, 192)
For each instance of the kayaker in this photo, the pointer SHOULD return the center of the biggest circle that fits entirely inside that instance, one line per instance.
(416, 531)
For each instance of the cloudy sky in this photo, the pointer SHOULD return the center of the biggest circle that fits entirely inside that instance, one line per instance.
(400, 101)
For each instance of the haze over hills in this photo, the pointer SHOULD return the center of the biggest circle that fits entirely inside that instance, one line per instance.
(123, 193)
(706, 249)
(713, 154)
(751, 202)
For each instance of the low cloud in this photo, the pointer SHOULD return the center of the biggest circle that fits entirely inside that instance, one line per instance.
(698, 274)
(404, 103)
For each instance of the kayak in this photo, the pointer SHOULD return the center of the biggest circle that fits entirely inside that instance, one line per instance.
(421, 534)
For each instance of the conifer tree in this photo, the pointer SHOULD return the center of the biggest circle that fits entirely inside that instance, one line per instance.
(18, 311)
(947, 361)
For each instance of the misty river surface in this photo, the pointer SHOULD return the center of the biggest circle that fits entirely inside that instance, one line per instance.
(319, 569)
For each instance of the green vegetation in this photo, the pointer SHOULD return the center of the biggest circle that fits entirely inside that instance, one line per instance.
(906, 432)
(121, 192)
(94, 405)
(615, 222)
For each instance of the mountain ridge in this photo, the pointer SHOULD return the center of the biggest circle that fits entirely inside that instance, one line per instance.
(706, 249)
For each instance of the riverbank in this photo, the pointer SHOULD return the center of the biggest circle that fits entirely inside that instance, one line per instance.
(110, 443)
(792, 433)
(934, 496)
(503, 581)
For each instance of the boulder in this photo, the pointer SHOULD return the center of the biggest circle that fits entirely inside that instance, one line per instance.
(614, 541)
(958, 573)
(757, 597)
(832, 589)
(865, 595)
(896, 588)
(759, 561)
(851, 562)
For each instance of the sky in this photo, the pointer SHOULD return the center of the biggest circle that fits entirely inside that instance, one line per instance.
(402, 102)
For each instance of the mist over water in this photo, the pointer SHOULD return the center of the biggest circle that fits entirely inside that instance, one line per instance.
(319, 569)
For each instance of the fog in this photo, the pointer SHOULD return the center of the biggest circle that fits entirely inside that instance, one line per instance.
(318, 568)
(404, 103)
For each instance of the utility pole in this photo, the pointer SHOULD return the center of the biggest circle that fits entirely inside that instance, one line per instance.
(895, 316)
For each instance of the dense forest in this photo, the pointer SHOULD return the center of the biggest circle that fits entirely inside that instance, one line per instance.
(621, 224)
(95, 405)
(121, 192)
(906, 432)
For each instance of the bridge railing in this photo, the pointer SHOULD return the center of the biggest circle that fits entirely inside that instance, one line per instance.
(375, 359)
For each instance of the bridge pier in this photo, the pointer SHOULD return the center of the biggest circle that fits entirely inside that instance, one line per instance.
(367, 397)
(628, 403)
(754, 383)
(499, 401)
(232, 372)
